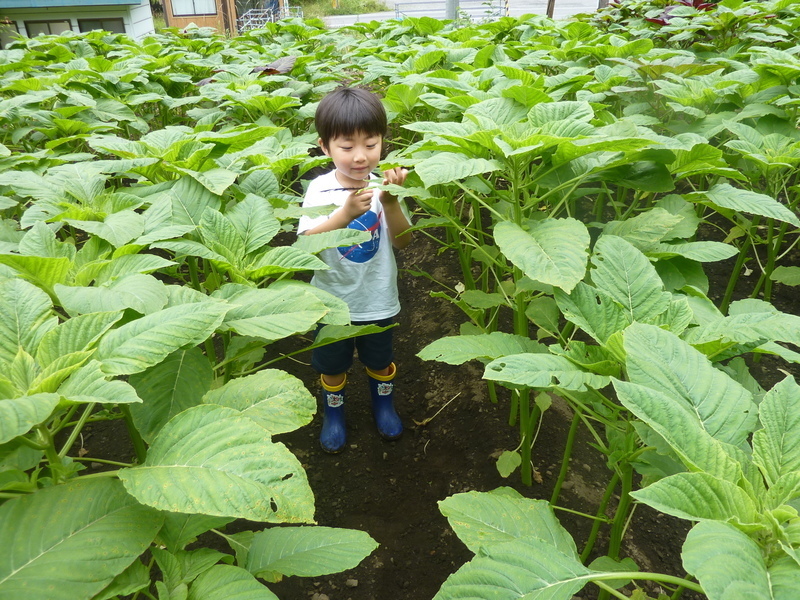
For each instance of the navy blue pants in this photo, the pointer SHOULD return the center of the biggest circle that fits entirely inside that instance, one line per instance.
(374, 351)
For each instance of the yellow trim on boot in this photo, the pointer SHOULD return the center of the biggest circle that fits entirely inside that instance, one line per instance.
(329, 388)
(389, 377)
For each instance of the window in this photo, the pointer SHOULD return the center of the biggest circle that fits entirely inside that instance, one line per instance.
(185, 8)
(112, 25)
(35, 28)
(8, 30)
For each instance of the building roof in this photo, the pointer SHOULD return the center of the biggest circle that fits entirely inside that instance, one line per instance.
(64, 3)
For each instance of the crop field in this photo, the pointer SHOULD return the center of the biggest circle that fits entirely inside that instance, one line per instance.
(609, 207)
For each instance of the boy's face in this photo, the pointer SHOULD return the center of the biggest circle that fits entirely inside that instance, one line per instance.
(355, 157)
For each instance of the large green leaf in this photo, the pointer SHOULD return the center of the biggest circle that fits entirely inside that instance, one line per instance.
(681, 428)
(143, 293)
(170, 387)
(277, 401)
(147, 341)
(70, 541)
(627, 276)
(74, 335)
(726, 196)
(89, 384)
(553, 251)
(25, 317)
(181, 529)
(776, 446)
(225, 582)
(42, 271)
(458, 349)
(252, 218)
(727, 563)
(306, 551)
(528, 569)
(699, 497)
(446, 167)
(283, 259)
(19, 415)
(212, 460)
(593, 310)
(543, 371)
(483, 518)
(271, 314)
(662, 361)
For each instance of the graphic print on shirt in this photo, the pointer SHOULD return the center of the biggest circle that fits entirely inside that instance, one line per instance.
(361, 253)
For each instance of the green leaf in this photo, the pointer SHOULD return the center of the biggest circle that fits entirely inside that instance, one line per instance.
(663, 362)
(314, 244)
(456, 350)
(143, 293)
(25, 317)
(277, 401)
(283, 259)
(271, 314)
(608, 564)
(681, 429)
(179, 530)
(726, 196)
(44, 272)
(117, 228)
(508, 462)
(447, 167)
(786, 275)
(130, 581)
(189, 201)
(19, 415)
(74, 335)
(627, 276)
(306, 551)
(224, 582)
(252, 218)
(211, 460)
(699, 497)
(89, 384)
(482, 519)
(70, 541)
(543, 371)
(593, 310)
(776, 447)
(553, 251)
(145, 342)
(727, 563)
(524, 568)
(173, 385)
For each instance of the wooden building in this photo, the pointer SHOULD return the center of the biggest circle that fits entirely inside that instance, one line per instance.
(220, 14)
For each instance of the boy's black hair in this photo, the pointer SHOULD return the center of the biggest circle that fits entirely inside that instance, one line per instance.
(349, 110)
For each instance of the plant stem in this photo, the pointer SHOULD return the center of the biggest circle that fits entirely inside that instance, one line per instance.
(76, 431)
(103, 461)
(737, 269)
(562, 475)
(136, 438)
(587, 549)
(621, 515)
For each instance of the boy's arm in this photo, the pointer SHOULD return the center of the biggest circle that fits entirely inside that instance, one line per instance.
(396, 220)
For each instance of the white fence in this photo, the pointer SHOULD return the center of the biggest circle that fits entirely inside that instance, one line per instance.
(475, 10)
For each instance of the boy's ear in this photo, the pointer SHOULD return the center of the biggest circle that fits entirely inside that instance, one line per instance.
(322, 145)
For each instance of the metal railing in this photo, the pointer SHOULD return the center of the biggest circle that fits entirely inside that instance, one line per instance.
(256, 18)
(474, 10)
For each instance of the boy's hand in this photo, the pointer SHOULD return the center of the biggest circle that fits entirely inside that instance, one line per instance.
(358, 203)
(396, 176)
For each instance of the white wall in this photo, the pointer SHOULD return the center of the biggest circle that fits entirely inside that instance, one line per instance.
(138, 20)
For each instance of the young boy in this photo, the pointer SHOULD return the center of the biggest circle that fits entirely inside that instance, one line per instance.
(351, 123)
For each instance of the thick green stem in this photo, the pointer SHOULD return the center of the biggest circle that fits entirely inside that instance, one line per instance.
(136, 438)
(48, 444)
(621, 516)
(562, 475)
(601, 510)
(737, 269)
(76, 431)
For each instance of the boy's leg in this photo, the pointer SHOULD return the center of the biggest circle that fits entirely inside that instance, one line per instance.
(332, 362)
(376, 352)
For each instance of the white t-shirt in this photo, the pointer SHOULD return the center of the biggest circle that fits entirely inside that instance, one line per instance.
(364, 275)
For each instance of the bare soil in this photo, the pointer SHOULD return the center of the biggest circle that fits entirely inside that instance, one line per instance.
(391, 489)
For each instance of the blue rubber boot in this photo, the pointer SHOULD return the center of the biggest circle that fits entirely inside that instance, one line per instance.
(334, 433)
(381, 388)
